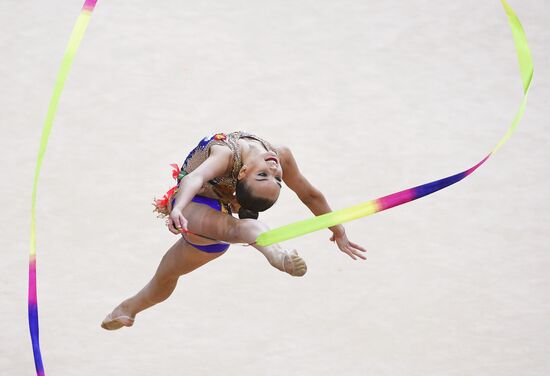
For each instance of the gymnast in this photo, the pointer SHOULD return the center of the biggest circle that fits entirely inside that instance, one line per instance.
(224, 174)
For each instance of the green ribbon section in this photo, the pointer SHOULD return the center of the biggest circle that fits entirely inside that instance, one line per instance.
(66, 63)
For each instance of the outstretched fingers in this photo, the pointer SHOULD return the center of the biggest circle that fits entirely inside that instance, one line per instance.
(355, 251)
(358, 250)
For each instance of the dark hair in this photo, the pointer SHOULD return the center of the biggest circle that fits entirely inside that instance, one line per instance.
(250, 204)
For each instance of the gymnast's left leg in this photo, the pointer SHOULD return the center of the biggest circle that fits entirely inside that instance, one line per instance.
(215, 225)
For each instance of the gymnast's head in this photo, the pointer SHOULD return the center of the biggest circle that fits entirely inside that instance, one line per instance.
(259, 184)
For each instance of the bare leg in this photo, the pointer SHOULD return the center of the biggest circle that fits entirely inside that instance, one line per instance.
(180, 259)
(208, 222)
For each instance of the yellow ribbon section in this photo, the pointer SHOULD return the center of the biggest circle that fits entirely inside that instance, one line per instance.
(68, 57)
(320, 222)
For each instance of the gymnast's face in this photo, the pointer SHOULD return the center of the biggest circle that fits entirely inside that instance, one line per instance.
(263, 175)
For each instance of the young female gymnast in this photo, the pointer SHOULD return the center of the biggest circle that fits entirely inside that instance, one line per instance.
(223, 174)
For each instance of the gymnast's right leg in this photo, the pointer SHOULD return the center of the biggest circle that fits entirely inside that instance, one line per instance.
(180, 259)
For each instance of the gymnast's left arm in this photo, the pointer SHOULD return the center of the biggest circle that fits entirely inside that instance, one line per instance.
(315, 201)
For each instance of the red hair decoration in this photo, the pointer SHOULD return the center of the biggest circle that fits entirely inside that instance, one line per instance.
(162, 205)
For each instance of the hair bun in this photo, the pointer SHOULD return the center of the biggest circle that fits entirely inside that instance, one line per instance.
(247, 213)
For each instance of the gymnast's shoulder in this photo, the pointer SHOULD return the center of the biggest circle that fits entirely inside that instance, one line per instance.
(286, 157)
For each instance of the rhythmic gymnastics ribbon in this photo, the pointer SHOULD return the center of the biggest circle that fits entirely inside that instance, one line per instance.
(300, 228)
(72, 47)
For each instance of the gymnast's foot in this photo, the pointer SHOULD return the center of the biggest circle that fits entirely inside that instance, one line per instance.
(293, 264)
(120, 317)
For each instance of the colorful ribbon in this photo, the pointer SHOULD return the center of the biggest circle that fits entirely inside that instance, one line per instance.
(279, 234)
(300, 228)
(72, 47)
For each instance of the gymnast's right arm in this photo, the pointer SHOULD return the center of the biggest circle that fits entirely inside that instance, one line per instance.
(217, 164)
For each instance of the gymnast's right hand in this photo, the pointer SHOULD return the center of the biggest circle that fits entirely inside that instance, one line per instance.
(177, 223)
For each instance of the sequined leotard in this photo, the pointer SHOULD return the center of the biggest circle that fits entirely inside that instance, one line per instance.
(223, 187)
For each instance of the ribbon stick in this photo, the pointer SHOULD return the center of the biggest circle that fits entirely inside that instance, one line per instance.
(72, 47)
(374, 206)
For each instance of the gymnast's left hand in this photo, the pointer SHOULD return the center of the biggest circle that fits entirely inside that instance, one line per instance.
(351, 249)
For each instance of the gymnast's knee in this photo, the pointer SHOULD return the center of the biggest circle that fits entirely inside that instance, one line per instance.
(246, 230)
